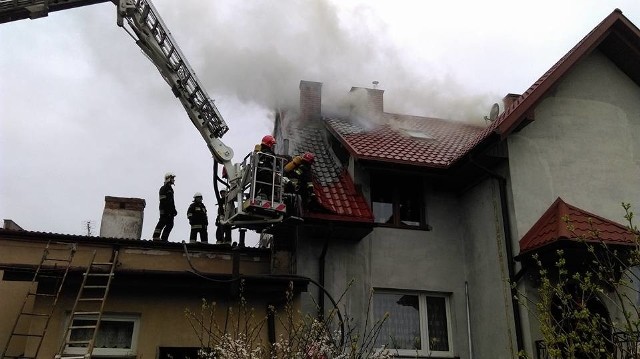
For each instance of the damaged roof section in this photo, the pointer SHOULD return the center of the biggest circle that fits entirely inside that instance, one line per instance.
(337, 196)
(418, 141)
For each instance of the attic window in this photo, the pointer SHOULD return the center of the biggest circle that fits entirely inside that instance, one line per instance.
(421, 135)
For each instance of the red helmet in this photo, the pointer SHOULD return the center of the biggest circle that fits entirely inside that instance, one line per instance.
(308, 157)
(268, 141)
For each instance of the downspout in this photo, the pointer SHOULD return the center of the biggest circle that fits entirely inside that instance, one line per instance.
(321, 267)
(502, 185)
(466, 296)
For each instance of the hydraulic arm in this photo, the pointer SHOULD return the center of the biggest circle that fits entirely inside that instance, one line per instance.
(244, 206)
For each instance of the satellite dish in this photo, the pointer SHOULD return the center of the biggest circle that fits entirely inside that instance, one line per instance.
(493, 114)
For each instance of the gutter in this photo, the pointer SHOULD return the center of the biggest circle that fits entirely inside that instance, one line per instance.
(502, 184)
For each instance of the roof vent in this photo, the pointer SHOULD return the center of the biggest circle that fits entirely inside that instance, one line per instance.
(421, 135)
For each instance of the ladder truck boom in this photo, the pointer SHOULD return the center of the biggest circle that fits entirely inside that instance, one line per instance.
(244, 205)
(156, 41)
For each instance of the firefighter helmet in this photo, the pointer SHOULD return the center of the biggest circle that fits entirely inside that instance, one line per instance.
(168, 176)
(197, 194)
(308, 157)
(269, 141)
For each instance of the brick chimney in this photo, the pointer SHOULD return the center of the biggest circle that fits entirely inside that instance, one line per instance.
(310, 100)
(375, 99)
(509, 99)
(122, 217)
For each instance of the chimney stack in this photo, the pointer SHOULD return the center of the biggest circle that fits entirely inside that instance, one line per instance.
(122, 217)
(509, 99)
(310, 100)
(375, 99)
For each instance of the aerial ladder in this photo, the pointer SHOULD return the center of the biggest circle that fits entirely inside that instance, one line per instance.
(244, 207)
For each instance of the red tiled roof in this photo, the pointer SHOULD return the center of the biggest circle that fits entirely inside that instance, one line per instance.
(552, 227)
(422, 141)
(516, 113)
(335, 191)
(452, 140)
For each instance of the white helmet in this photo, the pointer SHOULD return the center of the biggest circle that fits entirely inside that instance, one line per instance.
(197, 194)
(169, 175)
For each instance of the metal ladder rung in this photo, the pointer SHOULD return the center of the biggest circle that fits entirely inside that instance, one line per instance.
(85, 313)
(95, 287)
(145, 13)
(57, 260)
(79, 342)
(91, 299)
(35, 314)
(82, 327)
(17, 357)
(42, 294)
(28, 335)
(101, 264)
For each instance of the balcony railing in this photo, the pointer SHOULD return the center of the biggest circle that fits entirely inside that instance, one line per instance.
(626, 345)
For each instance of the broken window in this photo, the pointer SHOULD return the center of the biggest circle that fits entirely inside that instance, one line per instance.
(418, 323)
(397, 200)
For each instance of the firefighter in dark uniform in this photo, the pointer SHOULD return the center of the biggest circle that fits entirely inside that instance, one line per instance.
(300, 179)
(264, 173)
(197, 215)
(167, 209)
(223, 231)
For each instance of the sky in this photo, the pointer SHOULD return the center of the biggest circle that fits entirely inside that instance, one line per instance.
(84, 114)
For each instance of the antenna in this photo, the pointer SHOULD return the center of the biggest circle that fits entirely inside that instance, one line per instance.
(88, 227)
(493, 114)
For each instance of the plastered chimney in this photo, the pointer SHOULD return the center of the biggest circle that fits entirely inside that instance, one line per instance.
(374, 101)
(122, 217)
(310, 100)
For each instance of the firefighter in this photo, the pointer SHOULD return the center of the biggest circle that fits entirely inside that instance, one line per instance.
(167, 209)
(265, 170)
(267, 145)
(298, 174)
(197, 215)
(223, 231)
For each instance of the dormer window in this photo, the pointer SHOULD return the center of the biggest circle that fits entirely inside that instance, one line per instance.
(398, 200)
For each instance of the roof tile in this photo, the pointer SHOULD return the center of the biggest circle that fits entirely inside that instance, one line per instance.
(552, 227)
(334, 188)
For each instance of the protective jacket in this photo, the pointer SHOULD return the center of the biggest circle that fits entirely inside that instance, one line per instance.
(197, 214)
(299, 174)
(167, 206)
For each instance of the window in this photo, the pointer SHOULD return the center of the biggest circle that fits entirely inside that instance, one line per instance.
(398, 200)
(117, 335)
(418, 323)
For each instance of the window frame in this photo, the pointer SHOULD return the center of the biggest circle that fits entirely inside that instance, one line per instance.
(424, 325)
(395, 182)
(110, 352)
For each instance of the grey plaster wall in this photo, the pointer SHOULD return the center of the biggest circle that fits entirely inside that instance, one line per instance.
(583, 147)
(391, 258)
(491, 313)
